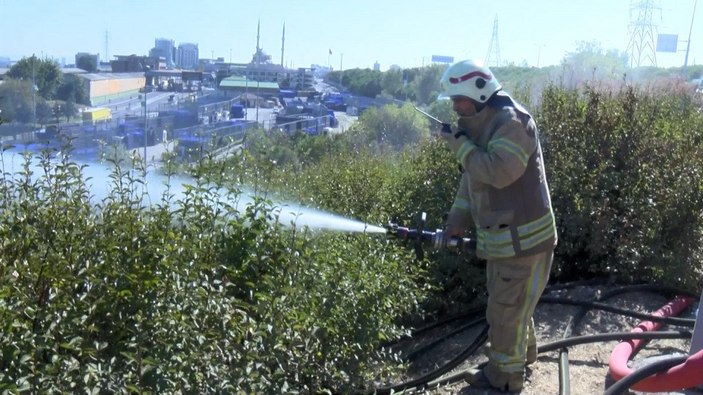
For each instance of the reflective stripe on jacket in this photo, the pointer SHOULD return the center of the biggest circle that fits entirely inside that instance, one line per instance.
(504, 188)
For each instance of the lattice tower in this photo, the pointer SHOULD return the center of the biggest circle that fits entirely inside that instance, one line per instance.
(642, 45)
(493, 55)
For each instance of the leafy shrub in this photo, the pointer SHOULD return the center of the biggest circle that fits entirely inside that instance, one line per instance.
(197, 293)
(360, 184)
(193, 294)
(625, 172)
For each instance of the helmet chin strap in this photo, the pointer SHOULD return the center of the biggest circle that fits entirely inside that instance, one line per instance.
(491, 101)
(479, 106)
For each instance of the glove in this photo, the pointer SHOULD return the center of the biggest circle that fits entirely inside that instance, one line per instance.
(449, 233)
(446, 128)
(454, 140)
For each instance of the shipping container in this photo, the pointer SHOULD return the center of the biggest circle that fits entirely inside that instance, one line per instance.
(93, 115)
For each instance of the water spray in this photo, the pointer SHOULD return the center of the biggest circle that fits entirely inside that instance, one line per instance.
(98, 181)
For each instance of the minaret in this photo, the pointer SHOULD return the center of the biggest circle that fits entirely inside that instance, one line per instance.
(258, 50)
(283, 42)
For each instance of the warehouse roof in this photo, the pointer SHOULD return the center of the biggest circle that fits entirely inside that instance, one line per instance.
(244, 83)
(111, 76)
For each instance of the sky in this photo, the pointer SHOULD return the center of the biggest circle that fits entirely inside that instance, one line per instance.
(357, 33)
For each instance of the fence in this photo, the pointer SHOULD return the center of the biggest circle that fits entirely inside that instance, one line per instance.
(196, 141)
(310, 125)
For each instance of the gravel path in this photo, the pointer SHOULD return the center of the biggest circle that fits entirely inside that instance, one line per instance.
(588, 363)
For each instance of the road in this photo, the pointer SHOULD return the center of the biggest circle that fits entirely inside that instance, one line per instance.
(345, 121)
(264, 116)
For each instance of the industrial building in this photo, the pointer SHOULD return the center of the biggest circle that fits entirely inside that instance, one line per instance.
(102, 88)
(253, 93)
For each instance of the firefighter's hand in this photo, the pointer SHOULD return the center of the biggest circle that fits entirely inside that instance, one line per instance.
(454, 140)
(452, 230)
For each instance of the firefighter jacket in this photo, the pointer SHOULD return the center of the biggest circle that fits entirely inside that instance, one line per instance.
(503, 188)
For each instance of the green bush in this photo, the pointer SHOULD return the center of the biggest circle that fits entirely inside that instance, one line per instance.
(399, 185)
(625, 172)
(193, 294)
(196, 293)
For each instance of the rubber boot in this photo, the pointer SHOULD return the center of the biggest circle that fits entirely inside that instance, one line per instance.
(531, 356)
(491, 378)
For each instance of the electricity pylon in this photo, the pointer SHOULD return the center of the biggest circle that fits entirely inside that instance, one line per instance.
(642, 45)
(493, 55)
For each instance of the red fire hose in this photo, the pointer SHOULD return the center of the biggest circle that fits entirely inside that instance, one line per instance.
(685, 375)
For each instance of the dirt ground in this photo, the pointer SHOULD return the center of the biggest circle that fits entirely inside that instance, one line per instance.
(588, 363)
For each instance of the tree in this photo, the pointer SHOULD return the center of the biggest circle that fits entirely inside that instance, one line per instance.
(69, 109)
(285, 83)
(364, 82)
(427, 84)
(392, 83)
(87, 63)
(16, 100)
(591, 63)
(45, 75)
(393, 127)
(43, 112)
(74, 88)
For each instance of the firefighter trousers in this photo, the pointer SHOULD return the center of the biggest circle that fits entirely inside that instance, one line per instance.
(514, 288)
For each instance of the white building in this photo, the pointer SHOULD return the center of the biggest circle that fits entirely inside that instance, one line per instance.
(187, 56)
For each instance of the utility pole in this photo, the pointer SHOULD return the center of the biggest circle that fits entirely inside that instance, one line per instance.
(688, 44)
(34, 90)
(146, 71)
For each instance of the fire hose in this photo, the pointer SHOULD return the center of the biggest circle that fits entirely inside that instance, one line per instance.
(682, 371)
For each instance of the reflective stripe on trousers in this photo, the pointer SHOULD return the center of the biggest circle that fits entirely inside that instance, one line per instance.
(514, 288)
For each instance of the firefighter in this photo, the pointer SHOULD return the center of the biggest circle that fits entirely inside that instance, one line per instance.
(503, 193)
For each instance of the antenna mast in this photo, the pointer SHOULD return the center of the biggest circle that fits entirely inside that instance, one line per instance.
(283, 42)
(107, 57)
(258, 50)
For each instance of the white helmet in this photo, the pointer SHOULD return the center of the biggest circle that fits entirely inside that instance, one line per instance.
(470, 79)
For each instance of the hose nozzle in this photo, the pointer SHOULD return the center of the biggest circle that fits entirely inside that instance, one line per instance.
(436, 239)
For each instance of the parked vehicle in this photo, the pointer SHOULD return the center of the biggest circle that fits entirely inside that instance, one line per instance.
(93, 115)
(237, 112)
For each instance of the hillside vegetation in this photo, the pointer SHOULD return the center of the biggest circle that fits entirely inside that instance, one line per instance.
(193, 295)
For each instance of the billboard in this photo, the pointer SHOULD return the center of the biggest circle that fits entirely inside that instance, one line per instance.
(667, 42)
(442, 59)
